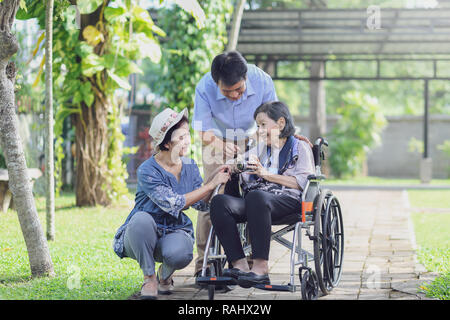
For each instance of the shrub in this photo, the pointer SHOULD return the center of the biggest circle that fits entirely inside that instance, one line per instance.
(355, 133)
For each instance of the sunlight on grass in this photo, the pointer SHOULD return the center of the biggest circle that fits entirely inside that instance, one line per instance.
(432, 231)
(82, 251)
(383, 181)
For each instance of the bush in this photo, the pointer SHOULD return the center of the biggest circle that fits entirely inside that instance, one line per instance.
(356, 132)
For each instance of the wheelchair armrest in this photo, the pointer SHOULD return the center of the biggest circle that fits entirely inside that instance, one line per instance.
(315, 177)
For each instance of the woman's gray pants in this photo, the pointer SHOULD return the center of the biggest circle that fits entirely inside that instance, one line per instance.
(143, 243)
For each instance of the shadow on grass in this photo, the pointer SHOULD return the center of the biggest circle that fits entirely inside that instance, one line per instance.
(14, 279)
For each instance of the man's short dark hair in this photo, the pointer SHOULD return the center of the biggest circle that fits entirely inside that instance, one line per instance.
(275, 110)
(229, 67)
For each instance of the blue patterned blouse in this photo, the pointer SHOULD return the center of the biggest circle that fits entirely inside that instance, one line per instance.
(161, 195)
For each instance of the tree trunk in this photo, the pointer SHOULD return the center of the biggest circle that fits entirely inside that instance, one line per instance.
(19, 182)
(91, 135)
(91, 153)
(236, 25)
(49, 158)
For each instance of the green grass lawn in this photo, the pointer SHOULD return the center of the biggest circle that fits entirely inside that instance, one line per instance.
(82, 250)
(432, 232)
(383, 181)
(430, 199)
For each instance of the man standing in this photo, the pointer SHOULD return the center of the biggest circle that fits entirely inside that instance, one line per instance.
(225, 100)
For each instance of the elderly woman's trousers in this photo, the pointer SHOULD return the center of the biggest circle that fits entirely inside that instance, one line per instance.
(143, 243)
(260, 209)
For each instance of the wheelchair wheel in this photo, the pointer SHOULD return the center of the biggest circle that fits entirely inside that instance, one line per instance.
(334, 241)
(211, 288)
(309, 285)
(319, 244)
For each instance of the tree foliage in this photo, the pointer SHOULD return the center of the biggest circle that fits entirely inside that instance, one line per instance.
(94, 54)
(188, 51)
(355, 133)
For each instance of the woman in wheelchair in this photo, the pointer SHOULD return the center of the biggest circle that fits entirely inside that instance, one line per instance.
(276, 174)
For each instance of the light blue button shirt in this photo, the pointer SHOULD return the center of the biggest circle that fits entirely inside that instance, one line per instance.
(213, 111)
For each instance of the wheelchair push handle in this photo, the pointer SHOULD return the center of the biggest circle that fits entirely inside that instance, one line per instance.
(320, 141)
(317, 150)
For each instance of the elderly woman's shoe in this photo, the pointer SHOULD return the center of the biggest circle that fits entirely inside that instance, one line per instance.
(250, 279)
(233, 273)
(146, 293)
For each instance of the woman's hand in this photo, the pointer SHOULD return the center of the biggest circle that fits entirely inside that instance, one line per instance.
(222, 168)
(221, 177)
(258, 169)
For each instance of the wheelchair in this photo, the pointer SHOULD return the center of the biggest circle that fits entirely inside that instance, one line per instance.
(320, 216)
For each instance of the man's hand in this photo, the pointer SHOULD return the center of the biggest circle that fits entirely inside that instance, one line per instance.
(303, 138)
(230, 149)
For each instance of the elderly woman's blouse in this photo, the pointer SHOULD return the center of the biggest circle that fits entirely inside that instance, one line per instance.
(299, 163)
(161, 195)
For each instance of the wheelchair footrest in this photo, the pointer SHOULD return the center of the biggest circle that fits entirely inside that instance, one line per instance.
(273, 287)
(217, 281)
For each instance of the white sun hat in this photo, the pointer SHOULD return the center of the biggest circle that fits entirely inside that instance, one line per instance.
(163, 121)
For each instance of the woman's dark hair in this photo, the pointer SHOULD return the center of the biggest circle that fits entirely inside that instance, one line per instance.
(168, 135)
(275, 110)
(229, 67)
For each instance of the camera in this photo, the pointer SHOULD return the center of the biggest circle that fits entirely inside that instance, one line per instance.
(243, 166)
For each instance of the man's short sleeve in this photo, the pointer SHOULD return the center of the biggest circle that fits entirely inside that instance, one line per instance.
(202, 119)
(269, 90)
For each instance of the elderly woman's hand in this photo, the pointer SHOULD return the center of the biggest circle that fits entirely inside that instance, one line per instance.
(258, 169)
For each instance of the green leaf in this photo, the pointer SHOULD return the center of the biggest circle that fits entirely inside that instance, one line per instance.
(141, 14)
(89, 98)
(120, 65)
(77, 98)
(84, 49)
(23, 5)
(91, 65)
(88, 6)
(119, 81)
(194, 8)
(151, 49)
(160, 32)
(86, 88)
(34, 8)
(113, 13)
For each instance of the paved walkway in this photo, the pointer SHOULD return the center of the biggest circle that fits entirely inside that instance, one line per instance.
(379, 256)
